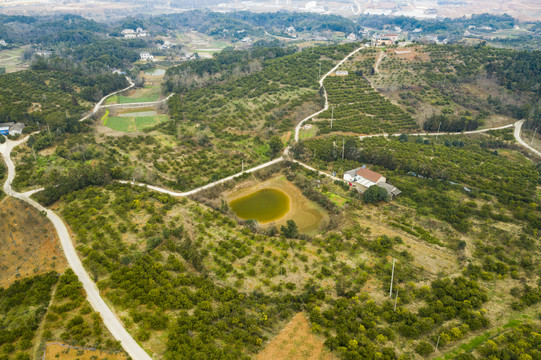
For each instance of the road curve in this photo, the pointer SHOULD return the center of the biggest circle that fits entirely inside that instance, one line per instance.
(299, 125)
(518, 127)
(98, 105)
(93, 295)
(194, 191)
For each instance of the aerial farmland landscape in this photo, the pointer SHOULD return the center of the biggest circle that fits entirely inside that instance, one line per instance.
(273, 180)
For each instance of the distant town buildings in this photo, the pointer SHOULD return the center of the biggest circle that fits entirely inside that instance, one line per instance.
(145, 56)
(3, 43)
(43, 53)
(291, 31)
(132, 34)
(351, 37)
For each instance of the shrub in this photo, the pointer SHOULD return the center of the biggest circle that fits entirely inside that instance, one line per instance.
(424, 348)
(375, 194)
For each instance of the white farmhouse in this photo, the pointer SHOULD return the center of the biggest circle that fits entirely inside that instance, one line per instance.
(366, 178)
(146, 56)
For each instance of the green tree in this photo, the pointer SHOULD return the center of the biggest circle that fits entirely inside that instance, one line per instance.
(375, 194)
(290, 231)
(275, 145)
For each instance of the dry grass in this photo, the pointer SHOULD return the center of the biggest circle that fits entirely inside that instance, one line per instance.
(29, 243)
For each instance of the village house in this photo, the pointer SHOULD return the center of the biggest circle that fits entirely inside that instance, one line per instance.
(145, 56)
(341, 73)
(290, 30)
(43, 53)
(141, 32)
(132, 34)
(11, 128)
(351, 37)
(3, 43)
(363, 178)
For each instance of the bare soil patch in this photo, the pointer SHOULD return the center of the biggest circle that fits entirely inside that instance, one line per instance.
(29, 243)
(296, 342)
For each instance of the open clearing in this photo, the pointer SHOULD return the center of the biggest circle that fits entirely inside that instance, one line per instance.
(309, 216)
(11, 59)
(29, 243)
(56, 351)
(296, 341)
(132, 121)
(194, 41)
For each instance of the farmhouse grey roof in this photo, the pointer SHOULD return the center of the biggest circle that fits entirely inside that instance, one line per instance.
(391, 190)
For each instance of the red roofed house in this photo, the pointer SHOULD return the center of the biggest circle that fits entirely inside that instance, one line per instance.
(366, 178)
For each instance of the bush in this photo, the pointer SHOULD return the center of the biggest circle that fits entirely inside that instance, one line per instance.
(424, 349)
(2, 139)
(375, 194)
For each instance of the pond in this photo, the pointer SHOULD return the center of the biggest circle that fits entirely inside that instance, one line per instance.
(155, 72)
(264, 205)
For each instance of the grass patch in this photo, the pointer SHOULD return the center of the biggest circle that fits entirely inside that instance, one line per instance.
(132, 124)
(308, 133)
(481, 339)
(337, 199)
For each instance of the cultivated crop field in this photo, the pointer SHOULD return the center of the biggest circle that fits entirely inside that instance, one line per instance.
(133, 121)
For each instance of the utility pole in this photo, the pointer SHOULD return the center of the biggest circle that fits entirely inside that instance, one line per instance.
(396, 299)
(533, 136)
(319, 74)
(343, 147)
(332, 115)
(437, 133)
(243, 165)
(438, 342)
(392, 278)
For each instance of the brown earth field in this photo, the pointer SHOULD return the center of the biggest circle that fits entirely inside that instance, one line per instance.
(309, 216)
(28, 241)
(57, 351)
(296, 342)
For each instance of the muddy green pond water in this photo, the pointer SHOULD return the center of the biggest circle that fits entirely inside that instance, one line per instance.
(264, 205)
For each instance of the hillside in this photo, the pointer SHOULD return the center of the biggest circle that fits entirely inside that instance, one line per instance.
(288, 260)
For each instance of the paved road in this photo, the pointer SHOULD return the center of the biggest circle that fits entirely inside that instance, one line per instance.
(442, 133)
(518, 127)
(93, 295)
(98, 105)
(298, 128)
(140, 104)
(194, 191)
